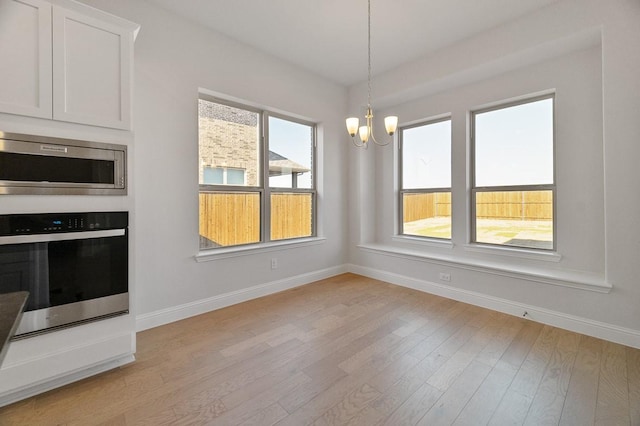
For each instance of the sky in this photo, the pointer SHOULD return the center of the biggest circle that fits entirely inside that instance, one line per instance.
(514, 146)
(426, 155)
(293, 141)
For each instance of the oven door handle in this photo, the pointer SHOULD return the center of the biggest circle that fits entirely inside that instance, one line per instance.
(66, 236)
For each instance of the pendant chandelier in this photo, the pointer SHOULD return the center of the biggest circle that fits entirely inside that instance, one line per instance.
(353, 123)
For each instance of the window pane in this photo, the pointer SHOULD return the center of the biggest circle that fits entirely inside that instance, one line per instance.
(229, 218)
(235, 177)
(213, 176)
(291, 215)
(290, 154)
(427, 214)
(514, 145)
(426, 156)
(229, 138)
(515, 218)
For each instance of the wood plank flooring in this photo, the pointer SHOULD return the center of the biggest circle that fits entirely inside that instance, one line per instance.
(351, 350)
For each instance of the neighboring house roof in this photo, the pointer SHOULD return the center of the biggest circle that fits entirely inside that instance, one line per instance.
(279, 165)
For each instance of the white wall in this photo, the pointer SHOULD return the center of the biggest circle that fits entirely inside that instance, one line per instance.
(173, 58)
(585, 48)
(588, 52)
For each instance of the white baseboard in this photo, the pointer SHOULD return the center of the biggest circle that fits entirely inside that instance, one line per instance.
(34, 390)
(612, 333)
(176, 313)
(48, 371)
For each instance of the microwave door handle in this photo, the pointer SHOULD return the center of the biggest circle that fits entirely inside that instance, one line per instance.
(66, 236)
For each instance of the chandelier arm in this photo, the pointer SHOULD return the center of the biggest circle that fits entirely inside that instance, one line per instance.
(359, 145)
(370, 126)
(379, 143)
(373, 138)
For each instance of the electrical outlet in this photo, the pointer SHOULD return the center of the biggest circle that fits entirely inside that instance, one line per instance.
(274, 263)
(445, 276)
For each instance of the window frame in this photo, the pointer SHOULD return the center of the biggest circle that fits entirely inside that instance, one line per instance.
(474, 190)
(402, 191)
(262, 188)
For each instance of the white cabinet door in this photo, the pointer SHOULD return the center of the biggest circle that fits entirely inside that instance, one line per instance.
(25, 52)
(92, 70)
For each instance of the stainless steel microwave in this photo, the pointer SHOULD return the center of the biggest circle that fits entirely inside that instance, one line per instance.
(42, 165)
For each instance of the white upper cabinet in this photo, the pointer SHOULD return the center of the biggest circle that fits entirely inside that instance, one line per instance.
(68, 62)
(25, 49)
(91, 70)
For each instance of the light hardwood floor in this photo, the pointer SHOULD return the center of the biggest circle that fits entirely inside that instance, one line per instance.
(351, 350)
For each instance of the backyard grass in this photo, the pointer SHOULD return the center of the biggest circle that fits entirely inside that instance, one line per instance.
(521, 233)
(434, 227)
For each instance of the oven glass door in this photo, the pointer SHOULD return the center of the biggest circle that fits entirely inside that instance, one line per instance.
(74, 267)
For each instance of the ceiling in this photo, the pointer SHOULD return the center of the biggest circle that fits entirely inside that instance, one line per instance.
(329, 37)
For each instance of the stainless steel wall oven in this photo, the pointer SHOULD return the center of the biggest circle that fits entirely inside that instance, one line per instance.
(74, 266)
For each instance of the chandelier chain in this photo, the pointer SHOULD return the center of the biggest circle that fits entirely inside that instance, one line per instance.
(369, 54)
(366, 131)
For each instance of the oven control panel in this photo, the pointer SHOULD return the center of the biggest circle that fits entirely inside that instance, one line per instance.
(49, 223)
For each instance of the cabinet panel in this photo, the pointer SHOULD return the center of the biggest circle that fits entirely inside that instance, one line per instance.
(91, 71)
(25, 49)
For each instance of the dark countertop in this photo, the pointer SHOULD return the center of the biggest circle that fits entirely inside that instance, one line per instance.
(11, 307)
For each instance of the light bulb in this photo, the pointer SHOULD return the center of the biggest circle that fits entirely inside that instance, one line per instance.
(352, 125)
(391, 124)
(364, 133)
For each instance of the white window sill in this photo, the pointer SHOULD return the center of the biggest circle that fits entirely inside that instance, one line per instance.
(251, 249)
(423, 242)
(573, 279)
(550, 256)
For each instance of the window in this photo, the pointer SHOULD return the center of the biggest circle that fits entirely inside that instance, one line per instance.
(425, 179)
(257, 175)
(291, 158)
(513, 175)
(222, 176)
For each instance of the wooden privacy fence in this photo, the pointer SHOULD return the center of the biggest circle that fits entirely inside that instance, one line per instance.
(290, 215)
(230, 218)
(514, 205)
(522, 205)
(234, 218)
(423, 206)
